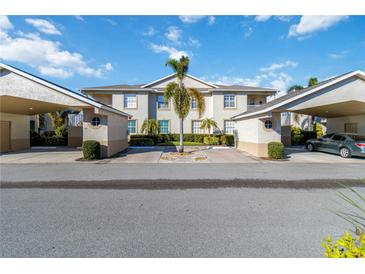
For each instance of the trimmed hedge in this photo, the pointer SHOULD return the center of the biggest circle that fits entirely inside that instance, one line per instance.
(91, 149)
(211, 140)
(141, 142)
(276, 150)
(188, 137)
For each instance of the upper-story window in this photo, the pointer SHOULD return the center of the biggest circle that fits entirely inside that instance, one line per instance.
(229, 101)
(161, 102)
(194, 104)
(130, 101)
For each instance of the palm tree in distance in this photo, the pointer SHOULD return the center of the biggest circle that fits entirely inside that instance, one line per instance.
(181, 95)
(208, 124)
(150, 126)
(312, 81)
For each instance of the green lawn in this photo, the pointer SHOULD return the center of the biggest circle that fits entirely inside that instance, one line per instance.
(177, 143)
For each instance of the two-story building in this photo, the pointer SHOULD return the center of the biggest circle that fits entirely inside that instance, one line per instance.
(146, 101)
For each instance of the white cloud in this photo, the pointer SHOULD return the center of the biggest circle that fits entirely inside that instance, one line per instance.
(173, 52)
(5, 23)
(46, 56)
(312, 23)
(80, 18)
(338, 55)
(262, 18)
(111, 21)
(277, 66)
(150, 32)
(282, 81)
(43, 26)
(173, 34)
(211, 20)
(194, 42)
(190, 19)
(248, 32)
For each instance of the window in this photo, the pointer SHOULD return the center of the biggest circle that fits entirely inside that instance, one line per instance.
(132, 126)
(229, 101)
(130, 101)
(228, 127)
(327, 136)
(163, 126)
(161, 102)
(268, 124)
(338, 138)
(196, 127)
(350, 127)
(194, 104)
(95, 121)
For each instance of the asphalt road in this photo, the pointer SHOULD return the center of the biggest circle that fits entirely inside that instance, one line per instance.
(217, 222)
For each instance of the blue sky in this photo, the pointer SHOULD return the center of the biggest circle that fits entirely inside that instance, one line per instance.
(268, 51)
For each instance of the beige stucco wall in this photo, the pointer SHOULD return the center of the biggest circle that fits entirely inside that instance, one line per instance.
(351, 90)
(104, 98)
(220, 113)
(19, 130)
(111, 133)
(338, 124)
(253, 137)
(15, 85)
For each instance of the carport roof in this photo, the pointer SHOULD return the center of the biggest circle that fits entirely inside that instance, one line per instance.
(62, 89)
(290, 97)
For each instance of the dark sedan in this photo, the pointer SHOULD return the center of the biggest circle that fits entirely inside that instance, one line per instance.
(344, 144)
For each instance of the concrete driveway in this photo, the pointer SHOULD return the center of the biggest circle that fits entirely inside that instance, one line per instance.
(302, 155)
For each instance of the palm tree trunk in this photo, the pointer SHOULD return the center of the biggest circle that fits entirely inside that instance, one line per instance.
(181, 148)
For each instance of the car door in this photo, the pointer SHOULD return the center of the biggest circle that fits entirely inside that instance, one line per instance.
(322, 144)
(335, 143)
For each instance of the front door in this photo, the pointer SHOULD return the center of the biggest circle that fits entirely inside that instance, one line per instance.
(4, 136)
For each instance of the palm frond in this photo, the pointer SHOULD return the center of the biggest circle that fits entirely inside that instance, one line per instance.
(198, 96)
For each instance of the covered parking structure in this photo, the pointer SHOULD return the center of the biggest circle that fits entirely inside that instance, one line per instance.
(23, 94)
(340, 99)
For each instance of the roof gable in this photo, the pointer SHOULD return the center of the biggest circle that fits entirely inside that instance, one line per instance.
(189, 81)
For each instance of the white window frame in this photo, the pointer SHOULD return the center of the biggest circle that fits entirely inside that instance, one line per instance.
(135, 126)
(231, 128)
(194, 104)
(234, 101)
(126, 101)
(193, 128)
(168, 126)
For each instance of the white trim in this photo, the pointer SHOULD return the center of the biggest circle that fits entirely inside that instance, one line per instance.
(63, 90)
(358, 73)
(173, 74)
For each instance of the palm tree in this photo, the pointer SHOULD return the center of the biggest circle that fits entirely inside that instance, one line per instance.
(295, 88)
(312, 81)
(150, 126)
(182, 96)
(208, 124)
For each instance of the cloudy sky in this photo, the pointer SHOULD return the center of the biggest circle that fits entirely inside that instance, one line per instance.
(267, 51)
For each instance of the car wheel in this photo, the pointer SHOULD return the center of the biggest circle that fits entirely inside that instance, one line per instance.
(345, 152)
(310, 147)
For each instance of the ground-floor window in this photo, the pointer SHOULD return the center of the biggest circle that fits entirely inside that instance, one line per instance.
(163, 126)
(228, 127)
(132, 126)
(196, 126)
(350, 127)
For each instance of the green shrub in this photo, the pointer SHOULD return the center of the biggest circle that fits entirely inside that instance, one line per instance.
(345, 247)
(141, 142)
(54, 140)
(211, 140)
(61, 131)
(276, 150)
(296, 135)
(91, 149)
(227, 140)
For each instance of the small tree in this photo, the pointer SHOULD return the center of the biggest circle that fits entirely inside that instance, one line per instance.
(318, 129)
(312, 81)
(208, 124)
(150, 126)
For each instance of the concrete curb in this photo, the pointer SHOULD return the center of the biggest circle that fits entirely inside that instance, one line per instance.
(188, 184)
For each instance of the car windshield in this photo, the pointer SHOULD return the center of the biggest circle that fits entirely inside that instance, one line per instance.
(357, 137)
(327, 136)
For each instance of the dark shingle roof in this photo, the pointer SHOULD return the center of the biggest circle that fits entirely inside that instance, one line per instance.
(290, 95)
